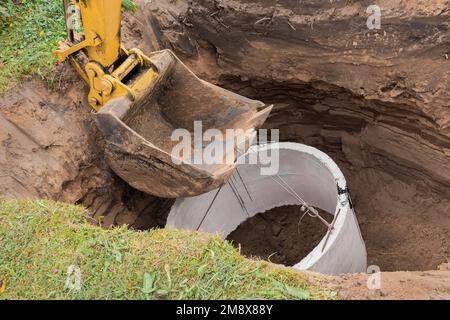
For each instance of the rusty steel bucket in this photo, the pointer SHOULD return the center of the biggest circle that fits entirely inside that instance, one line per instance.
(138, 134)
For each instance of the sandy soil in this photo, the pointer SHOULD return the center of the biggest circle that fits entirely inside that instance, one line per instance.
(50, 148)
(428, 285)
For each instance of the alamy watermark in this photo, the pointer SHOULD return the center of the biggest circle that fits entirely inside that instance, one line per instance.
(218, 147)
(374, 19)
(73, 280)
(73, 18)
(374, 277)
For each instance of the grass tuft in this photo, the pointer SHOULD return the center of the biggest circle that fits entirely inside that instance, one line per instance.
(29, 31)
(43, 243)
(129, 5)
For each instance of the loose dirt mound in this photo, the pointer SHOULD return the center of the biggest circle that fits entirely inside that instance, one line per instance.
(45, 140)
(430, 285)
(50, 148)
(279, 235)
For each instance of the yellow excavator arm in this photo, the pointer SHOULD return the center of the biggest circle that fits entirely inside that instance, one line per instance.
(109, 63)
(101, 21)
(140, 101)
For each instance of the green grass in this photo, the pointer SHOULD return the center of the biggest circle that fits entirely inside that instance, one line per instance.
(129, 5)
(40, 240)
(28, 33)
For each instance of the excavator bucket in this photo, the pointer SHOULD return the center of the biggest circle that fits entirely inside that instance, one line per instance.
(138, 131)
(142, 100)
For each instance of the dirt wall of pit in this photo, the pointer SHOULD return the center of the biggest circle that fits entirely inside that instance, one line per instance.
(376, 101)
(50, 148)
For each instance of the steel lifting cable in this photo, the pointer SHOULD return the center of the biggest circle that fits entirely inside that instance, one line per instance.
(307, 209)
(238, 196)
(209, 208)
(311, 211)
(236, 193)
(243, 183)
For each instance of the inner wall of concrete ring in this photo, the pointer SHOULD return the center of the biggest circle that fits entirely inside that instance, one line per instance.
(315, 178)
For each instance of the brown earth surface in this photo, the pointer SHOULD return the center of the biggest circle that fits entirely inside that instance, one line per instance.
(400, 285)
(50, 148)
(376, 101)
(280, 235)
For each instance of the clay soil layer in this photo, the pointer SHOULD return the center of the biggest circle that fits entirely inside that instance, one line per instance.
(376, 101)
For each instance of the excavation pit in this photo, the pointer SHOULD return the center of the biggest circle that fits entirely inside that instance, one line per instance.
(282, 235)
(306, 172)
(387, 136)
